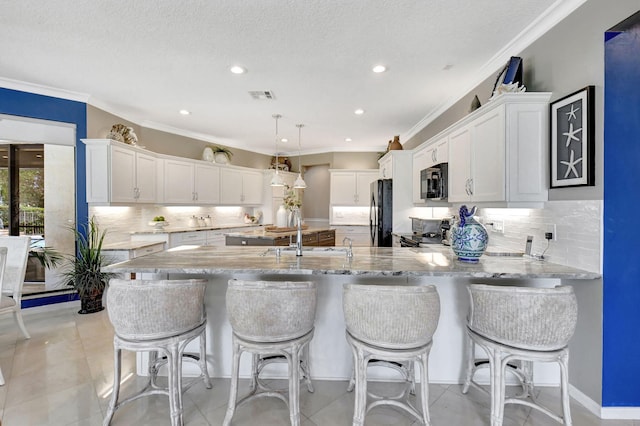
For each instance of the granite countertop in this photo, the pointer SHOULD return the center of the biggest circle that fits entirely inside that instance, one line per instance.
(366, 261)
(264, 234)
(129, 245)
(171, 229)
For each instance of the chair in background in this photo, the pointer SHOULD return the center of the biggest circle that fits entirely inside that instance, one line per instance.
(517, 326)
(393, 324)
(271, 318)
(13, 278)
(158, 317)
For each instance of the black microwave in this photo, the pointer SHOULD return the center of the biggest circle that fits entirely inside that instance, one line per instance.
(434, 182)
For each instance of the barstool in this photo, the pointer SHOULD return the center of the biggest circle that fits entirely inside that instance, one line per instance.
(270, 318)
(157, 316)
(394, 324)
(517, 326)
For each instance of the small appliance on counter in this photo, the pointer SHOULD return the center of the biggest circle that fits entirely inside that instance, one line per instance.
(423, 231)
(445, 230)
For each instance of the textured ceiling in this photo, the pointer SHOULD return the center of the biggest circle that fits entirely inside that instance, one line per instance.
(146, 60)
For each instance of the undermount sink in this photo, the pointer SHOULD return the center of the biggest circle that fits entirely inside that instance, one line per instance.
(306, 251)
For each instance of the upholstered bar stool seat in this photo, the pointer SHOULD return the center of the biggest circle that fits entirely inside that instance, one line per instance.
(393, 324)
(270, 318)
(517, 326)
(161, 317)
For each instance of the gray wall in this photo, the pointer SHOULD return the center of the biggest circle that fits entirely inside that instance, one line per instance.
(99, 123)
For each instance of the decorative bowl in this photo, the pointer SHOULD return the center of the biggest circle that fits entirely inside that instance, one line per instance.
(159, 224)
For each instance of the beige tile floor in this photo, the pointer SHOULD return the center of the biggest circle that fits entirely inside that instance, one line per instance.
(63, 376)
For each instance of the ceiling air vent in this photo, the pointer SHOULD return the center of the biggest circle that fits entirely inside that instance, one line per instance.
(262, 95)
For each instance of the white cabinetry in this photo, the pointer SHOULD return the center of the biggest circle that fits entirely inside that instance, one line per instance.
(239, 186)
(500, 154)
(360, 235)
(351, 187)
(190, 182)
(432, 152)
(497, 155)
(118, 173)
(386, 166)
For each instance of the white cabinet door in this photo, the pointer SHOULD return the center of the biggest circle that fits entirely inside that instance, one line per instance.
(343, 188)
(488, 157)
(123, 175)
(460, 165)
(441, 151)
(386, 167)
(133, 176)
(420, 162)
(240, 187)
(363, 187)
(207, 184)
(146, 182)
(251, 187)
(178, 182)
(230, 186)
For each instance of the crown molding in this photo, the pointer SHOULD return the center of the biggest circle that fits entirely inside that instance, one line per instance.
(542, 24)
(39, 89)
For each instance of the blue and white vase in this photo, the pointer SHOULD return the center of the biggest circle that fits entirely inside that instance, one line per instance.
(469, 238)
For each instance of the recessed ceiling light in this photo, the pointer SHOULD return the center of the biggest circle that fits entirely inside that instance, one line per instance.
(237, 69)
(359, 111)
(284, 140)
(379, 68)
(347, 139)
(185, 112)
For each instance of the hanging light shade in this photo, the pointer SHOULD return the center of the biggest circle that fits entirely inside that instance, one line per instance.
(299, 183)
(276, 180)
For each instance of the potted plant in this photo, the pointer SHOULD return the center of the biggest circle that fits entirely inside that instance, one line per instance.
(84, 271)
(221, 154)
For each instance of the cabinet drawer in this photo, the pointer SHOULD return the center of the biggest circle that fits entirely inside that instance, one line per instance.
(243, 241)
(281, 241)
(327, 238)
(143, 251)
(194, 237)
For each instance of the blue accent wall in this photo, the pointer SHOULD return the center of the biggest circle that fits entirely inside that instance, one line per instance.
(23, 104)
(621, 267)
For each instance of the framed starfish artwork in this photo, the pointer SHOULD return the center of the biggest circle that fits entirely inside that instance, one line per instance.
(572, 139)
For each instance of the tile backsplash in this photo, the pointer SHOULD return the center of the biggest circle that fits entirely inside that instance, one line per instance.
(120, 222)
(578, 227)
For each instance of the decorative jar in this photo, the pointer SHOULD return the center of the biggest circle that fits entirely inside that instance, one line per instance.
(282, 217)
(469, 238)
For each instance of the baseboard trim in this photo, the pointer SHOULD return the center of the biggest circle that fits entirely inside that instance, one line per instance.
(608, 413)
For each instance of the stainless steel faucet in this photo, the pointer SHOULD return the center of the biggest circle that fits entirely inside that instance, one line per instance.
(298, 232)
(350, 251)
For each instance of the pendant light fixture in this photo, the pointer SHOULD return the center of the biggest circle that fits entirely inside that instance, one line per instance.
(299, 183)
(276, 180)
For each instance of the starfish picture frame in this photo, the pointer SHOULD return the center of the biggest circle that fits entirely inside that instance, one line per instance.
(572, 139)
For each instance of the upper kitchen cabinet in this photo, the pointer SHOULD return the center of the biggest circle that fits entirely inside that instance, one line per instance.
(392, 161)
(189, 182)
(498, 153)
(118, 173)
(351, 187)
(432, 152)
(240, 186)
(385, 167)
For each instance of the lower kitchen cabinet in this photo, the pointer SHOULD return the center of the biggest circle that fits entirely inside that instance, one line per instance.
(309, 239)
(359, 235)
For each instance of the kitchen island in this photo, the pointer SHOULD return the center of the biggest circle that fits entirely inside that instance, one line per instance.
(266, 237)
(330, 267)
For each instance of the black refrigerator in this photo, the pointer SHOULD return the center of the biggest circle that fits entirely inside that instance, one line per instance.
(381, 213)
